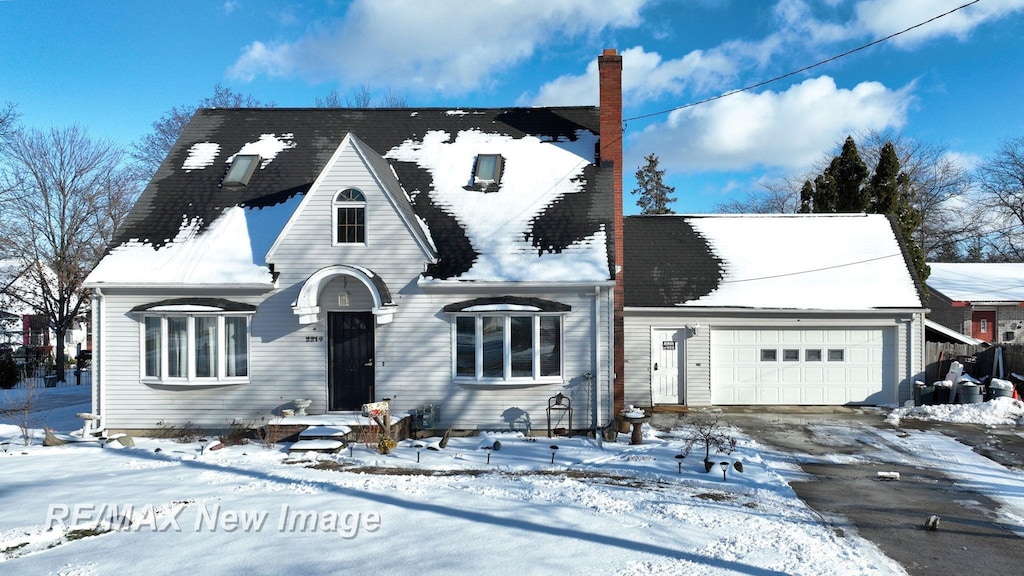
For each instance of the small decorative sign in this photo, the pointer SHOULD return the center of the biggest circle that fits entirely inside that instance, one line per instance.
(668, 344)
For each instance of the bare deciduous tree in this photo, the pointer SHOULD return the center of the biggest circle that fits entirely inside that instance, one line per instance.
(361, 97)
(1000, 181)
(150, 150)
(68, 193)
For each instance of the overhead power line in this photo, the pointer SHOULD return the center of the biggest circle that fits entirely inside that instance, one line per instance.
(812, 270)
(804, 69)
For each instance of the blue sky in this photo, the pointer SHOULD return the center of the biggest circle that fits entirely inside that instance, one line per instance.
(114, 66)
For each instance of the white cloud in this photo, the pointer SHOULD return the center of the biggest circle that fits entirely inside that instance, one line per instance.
(645, 76)
(771, 129)
(431, 44)
(879, 18)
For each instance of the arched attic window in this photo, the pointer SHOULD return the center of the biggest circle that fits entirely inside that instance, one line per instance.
(350, 217)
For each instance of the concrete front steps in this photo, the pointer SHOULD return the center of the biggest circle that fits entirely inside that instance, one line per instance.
(330, 433)
(322, 438)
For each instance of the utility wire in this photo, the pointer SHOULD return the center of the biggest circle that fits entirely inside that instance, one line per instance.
(812, 270)
(804, 69)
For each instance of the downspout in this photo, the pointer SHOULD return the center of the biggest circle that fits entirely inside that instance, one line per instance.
(595, 379)
(99, 376)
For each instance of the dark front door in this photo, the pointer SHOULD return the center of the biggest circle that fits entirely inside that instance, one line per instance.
(350, 360)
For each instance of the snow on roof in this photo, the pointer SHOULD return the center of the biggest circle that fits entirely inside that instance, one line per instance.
(267, 147)
(824, 262)
(221, 254)
(201, 155)
(536, 173)
(978, 282)
(15, 279)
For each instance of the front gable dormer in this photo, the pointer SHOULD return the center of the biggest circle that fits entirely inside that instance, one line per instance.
(356, 203)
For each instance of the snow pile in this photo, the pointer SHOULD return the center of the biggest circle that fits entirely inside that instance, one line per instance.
(849, 262)
(536, 173)
(996, 412)
(221, 254)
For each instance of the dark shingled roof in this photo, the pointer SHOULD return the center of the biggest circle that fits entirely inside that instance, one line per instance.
(667, 262)
(175, 193)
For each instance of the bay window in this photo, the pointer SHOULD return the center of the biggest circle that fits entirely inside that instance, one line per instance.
(197, 348)
(508, 347)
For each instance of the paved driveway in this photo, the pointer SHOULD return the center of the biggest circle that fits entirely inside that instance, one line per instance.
(971, 538)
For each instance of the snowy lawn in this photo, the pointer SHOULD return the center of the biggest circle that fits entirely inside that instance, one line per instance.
(164, 507)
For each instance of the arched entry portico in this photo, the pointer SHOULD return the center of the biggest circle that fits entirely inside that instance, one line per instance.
(350, 330)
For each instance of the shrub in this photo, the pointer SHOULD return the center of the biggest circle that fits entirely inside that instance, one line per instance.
(9, 375)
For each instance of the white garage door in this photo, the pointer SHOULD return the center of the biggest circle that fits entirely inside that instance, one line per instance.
(803, 366)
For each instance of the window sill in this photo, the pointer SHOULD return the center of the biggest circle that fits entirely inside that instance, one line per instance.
(496, 383)
(204, 383)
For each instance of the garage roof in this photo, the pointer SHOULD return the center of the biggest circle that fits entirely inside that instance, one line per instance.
(978, 282)
(790, 261)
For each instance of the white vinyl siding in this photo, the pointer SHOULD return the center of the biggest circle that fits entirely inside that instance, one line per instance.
(413, 354)
(902, 361)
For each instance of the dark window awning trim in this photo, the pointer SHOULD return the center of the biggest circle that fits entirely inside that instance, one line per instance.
(480, 304)
(195, 304)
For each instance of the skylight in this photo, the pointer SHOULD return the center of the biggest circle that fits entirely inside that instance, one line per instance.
(241, 170)
(488, 169)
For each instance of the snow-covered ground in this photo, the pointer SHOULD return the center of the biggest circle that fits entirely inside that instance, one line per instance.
(611, 509)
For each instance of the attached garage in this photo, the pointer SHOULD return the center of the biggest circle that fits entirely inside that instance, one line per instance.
(803, 366)
(798, 309)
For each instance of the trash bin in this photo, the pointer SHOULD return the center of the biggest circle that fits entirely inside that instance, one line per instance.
(941, 395)
(968, 394)
(923, 394)
(50, 381)
(998, 389)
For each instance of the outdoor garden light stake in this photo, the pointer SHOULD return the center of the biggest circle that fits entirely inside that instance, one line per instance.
(553, 449)
(679, 458)
(725, 466)
(488, 448)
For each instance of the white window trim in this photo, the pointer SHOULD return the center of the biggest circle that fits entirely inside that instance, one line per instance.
(335, 204)
(191, 379)
(507, 379)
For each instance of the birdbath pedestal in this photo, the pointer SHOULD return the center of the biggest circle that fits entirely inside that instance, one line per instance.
(636, 420)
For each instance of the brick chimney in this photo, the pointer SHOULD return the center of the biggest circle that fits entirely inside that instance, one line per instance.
(609, 66)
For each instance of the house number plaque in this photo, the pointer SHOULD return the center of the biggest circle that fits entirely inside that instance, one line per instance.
(668, 344)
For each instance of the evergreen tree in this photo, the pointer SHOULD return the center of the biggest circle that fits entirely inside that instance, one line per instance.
(654, 194)
(887, 182)
(807, 198)
(8, 370)
(840, 188)
(892, 194)
(849, 173)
